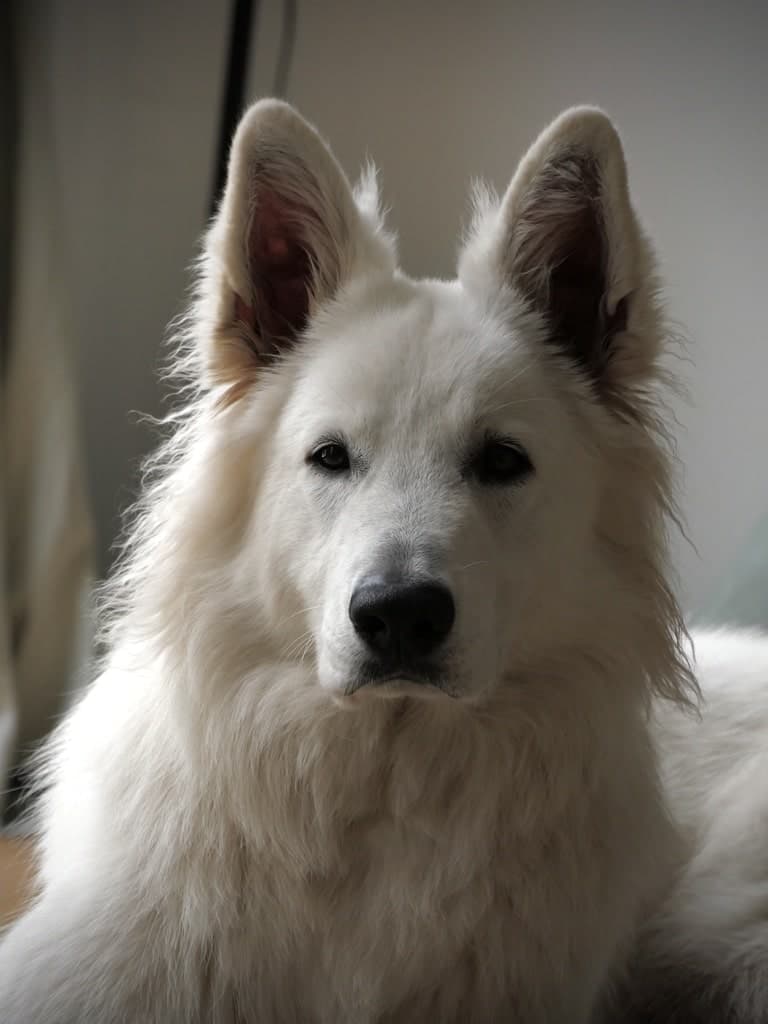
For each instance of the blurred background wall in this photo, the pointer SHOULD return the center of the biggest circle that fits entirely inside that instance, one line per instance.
(437, 92)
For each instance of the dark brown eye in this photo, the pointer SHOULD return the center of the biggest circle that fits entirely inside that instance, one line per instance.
(330, 456)
(501, 462)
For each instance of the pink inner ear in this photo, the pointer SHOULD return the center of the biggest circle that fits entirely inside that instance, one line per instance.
(280, 271)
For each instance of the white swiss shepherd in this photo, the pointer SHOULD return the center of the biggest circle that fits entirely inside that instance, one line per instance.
(392, 651)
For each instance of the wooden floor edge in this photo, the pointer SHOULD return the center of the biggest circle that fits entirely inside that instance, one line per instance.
(16, 874)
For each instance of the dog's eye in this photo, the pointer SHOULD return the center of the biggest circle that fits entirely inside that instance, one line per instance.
(330, 456)
(501, 462)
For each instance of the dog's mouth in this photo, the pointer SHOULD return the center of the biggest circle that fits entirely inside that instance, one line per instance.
(422, 680)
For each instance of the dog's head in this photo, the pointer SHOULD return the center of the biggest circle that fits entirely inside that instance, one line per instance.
(442, 484)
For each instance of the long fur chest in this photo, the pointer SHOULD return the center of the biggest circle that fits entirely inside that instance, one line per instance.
(409, 864)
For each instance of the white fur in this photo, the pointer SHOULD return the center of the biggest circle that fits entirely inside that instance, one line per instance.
(227, 836)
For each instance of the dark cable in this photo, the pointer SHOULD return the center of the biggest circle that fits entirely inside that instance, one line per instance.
(244, 13)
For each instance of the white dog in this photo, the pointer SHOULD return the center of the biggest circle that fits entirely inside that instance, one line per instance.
(375, 738)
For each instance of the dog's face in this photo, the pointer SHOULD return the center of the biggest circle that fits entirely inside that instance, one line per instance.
(431, 496)
(428, 485)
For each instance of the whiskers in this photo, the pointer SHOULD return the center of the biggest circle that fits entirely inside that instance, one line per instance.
(506, 383)
(532, 400)
(298, 650)
(302, 611)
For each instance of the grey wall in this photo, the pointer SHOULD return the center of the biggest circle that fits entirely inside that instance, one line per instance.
(133, 97)
(437, 93)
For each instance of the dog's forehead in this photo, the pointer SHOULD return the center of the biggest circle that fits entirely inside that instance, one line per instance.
(414, 349)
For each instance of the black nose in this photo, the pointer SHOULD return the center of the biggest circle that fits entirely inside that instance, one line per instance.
(402, 622)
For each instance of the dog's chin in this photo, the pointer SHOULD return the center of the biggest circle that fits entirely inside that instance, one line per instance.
(355, 681)
(366, 684)
(397, 686)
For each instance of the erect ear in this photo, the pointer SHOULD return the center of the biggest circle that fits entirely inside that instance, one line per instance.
(288, 234)
(565, 238)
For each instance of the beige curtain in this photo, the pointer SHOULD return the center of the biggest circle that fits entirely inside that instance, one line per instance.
(45, 527)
